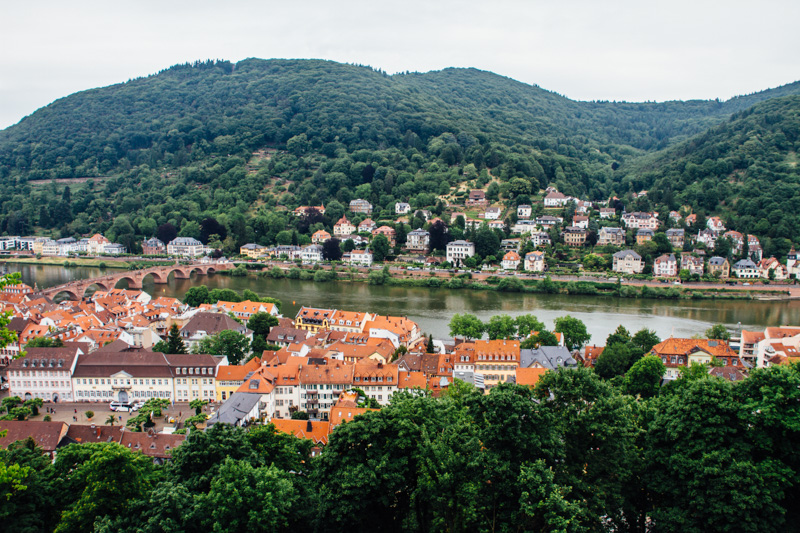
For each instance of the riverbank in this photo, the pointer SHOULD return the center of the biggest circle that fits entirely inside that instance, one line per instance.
(432, 308)
(94, 262)
(527, 284)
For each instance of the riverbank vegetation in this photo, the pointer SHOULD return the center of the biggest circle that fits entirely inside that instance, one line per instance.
(576, 453)
(512, 284)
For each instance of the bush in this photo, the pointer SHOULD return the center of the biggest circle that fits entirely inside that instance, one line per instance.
(511, 285)
(322, 276)
(294, 273)
(238, 272)
(276, 273)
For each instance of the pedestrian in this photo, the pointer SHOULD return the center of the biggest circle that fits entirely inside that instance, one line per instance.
(76, 411)
(75, 418)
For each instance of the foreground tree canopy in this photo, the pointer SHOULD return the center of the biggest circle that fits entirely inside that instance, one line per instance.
(575, 453)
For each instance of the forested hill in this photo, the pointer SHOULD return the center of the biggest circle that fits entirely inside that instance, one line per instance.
(745, 169)
(177, 147)
(255, 103)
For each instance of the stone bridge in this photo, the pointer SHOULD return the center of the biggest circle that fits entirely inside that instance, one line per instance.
(76, 290)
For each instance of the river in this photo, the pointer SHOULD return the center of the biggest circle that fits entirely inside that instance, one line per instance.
(433, 308)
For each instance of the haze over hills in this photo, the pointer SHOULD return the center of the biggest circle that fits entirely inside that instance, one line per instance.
(421, 135)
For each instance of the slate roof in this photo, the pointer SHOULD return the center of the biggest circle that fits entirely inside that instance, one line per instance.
(549, 357)
(212, 323)
(235, 409)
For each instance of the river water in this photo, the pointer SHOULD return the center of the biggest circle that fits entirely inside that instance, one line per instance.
(433, 308)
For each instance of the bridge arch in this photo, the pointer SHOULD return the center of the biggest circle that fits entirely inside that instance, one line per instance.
(133, 281)
(100, 284)
(158, 277)
(71, 295)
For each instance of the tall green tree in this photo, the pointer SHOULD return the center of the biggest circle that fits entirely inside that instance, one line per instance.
(467, 326)
(574, 331)
(232, 344)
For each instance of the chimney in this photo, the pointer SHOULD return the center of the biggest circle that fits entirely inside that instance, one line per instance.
(309, 427)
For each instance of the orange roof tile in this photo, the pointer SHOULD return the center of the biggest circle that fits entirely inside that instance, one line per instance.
(315, 430)
(529, 376)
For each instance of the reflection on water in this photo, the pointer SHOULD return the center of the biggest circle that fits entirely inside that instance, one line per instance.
(433, 308)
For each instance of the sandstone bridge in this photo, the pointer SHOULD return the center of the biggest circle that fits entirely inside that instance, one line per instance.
(75, 290)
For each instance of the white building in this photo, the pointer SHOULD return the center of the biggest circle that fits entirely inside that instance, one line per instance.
(555, 199)
(524, 211)
(534, 262)
(185, 247)
(665, 266)
(492, 213)
(138, 375)
(402, 208)
(361, 258)
(746, 269)
(639, 220)
(628, 262)
(459, 250)
(418, 240)
(44, 373)
(311, 254)
(511, 261)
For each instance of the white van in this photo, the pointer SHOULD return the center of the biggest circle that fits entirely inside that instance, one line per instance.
(121, 406)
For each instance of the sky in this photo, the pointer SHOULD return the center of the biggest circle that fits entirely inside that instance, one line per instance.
(583, 49)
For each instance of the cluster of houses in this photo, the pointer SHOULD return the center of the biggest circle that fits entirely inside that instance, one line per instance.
(729, 360)
(324, 362)
(107, 340)
(536, 231)
(94, 245)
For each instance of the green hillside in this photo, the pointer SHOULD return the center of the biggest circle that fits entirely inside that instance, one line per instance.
(745, 170)
(177, 147)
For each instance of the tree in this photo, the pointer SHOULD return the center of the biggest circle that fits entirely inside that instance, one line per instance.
(198, 405)
(7, 336)
(574, 331)
(501, 327)
(348, 246)
(261, 324)
(487, 243)
(10, 402)
(111, 420)
(527, 324)
(620, 336)
(239, 489)
(430, 348)
(197, 296)
(44, 342)
(175, 344)
(379, 247)
(645, 339)
(331, 250)
(439, 236)
(299, 415)
(467, 326)
(616, 359)
(644, 377)
(719, 332)
(98, 479)
(166, 233)
(232, 344)
(34, 404)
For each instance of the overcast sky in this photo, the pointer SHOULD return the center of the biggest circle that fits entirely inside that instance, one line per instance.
(583, 49)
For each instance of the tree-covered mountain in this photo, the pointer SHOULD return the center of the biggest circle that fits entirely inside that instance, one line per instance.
(177, 147)
(745, 170)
